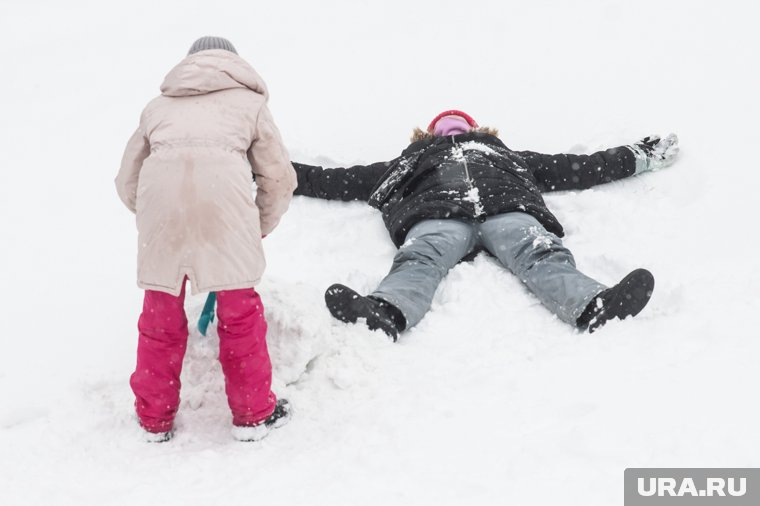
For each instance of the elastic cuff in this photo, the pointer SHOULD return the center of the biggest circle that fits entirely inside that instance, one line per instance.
(582, 308)
(397, 313)
(642, 160)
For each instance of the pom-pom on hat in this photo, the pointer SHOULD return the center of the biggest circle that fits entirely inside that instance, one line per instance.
(452, 112)
(206, 43)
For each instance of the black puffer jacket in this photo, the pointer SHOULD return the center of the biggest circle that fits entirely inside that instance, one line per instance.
(467, 177)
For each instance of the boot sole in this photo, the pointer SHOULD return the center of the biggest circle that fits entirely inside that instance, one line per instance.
(348, 306)
(635, 291)
(631, 296)
(337, 304)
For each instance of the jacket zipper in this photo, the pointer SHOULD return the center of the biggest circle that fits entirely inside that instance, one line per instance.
(478, 206)
(464, 161)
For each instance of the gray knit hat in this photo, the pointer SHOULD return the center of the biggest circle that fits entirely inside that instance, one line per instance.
(205, 43)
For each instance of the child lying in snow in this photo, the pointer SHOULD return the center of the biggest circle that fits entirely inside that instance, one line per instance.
(185, 175)
(456, 189)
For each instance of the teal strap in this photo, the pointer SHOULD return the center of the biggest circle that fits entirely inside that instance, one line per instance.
(207, 315)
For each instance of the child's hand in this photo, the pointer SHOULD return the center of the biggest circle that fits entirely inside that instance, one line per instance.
(653, 153)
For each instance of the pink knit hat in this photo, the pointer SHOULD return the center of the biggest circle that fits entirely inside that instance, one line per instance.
(452, 112)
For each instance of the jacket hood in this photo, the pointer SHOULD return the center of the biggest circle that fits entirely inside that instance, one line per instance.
(209, 71)
(483, 135)
(418, 134)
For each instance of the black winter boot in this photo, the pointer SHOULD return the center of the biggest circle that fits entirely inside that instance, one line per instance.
(279, 417)
(627, 298)
(348, 306)
(158, 437)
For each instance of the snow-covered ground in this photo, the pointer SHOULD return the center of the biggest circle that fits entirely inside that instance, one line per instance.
(490, 400)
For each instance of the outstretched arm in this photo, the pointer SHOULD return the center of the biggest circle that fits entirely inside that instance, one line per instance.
(578, 172)
(353, 183)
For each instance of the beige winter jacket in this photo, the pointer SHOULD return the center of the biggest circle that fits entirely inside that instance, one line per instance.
(186, 173)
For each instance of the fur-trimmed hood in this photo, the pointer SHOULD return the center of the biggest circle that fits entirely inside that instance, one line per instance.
(419, 134)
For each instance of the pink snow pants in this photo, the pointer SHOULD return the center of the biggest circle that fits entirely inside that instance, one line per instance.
(242, 353)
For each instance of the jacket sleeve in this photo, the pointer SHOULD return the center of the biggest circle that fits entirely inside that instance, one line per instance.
(578, 172)
(136, 152)
(353, 183)
(273, 172)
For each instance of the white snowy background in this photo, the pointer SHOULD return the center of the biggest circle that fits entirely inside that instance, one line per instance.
(491, 399)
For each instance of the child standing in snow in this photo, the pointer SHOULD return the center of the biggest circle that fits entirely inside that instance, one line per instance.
(186, 173)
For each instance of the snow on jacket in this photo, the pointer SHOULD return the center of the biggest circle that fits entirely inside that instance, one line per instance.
(186, 173)
(469, 177)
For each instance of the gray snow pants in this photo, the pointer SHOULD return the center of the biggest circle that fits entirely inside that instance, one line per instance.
(516, 239)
